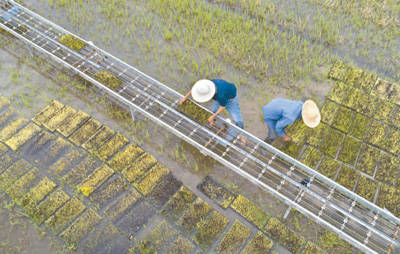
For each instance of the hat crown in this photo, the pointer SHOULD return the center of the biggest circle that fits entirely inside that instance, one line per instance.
(203, 89)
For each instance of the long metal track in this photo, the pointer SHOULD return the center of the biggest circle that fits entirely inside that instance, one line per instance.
(356, 220)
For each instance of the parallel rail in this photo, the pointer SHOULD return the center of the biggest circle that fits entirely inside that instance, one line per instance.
(356, 220)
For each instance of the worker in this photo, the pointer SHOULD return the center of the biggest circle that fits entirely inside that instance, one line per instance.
(224, 95)
(280, 113)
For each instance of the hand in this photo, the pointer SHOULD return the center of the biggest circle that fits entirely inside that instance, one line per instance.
(211, 120)
(182, 100)
(286, 138)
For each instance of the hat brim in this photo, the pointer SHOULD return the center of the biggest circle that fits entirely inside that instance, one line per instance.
(201, 98)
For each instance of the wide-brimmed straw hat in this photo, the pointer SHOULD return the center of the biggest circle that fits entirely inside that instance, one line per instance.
(310, 114)
(203, 90)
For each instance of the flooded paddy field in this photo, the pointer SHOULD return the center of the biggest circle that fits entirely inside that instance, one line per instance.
(267, 48)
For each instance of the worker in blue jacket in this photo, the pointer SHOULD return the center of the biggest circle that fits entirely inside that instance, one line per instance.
(280, 113)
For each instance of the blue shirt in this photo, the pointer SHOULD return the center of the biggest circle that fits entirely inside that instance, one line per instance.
(224, 91)
(282, 112)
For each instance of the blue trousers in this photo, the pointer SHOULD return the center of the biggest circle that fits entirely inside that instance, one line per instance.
(234, 112)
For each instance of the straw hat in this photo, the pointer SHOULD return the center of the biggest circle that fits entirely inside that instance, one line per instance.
(310, 114)
(203, 90)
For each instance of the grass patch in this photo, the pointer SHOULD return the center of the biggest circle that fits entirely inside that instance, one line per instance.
(250, 211)
(359, 126)
(343, 119)
(178, 203)
(193, 111)
(347, 177)
(285, 236)
(209, 230)
(72, 42)
(234, 239)
(350, 149)
(366, 188)
(108, 79)
(259, 244)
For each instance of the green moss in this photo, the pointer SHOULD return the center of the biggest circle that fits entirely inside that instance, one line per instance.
(385, 111)
(311, 248)
(328, 112)
(376, 134)
(109, 191)
(59, 118)
(149, 182)
(396, 119)
(388, 167)
(311, 156)
(366, 188)
(68, 212)
(13, 173)
(19, 138)
(329, 167)
(354, 98)
(367, 159)
(389, 197)
(332, 142)
(73, 122)
(157, 240)
(48, 112)
(285, 236)
(10, 129)
(55, 200)
(317, 134)
(112, 146)
(343, 119)
(139, 167)
(178, 203)
(80, 172)
(250, 211)
(21, 186)
(394, 95)
(122, 203)
(234, 239)
(37, 193)
(181, 245)
(392, 143)
(209, 230)
(367, 105)
(99, 139)
(65, 163)
(57, 148)
(72, 42)
(352, 76)
(366, 82)
(347, 177)
(196, 113)
(82, 134)
(359, 126)
(194, 215)
(338, 71)
(216, 192)
(259, 244)
(292, 149)
(350, 149)
(80, 227)
(108, 79)
(97, 178)
(382, 89)
(124, 158)
(299, 132)
(330, 241)
(339, 93)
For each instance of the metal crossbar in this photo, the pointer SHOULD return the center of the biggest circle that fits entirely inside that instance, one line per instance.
(358, 221)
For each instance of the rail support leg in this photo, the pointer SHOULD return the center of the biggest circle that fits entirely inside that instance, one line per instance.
(29, 49)
(133, 114)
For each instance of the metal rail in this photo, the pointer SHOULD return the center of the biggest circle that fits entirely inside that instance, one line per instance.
(356, 220)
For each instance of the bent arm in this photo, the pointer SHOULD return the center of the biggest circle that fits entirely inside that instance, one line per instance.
(184, 98)
(282, 123)
(219, 110)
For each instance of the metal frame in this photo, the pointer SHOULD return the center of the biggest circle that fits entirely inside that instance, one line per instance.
(286, 178)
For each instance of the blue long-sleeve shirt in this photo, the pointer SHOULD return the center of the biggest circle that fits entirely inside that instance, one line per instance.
(281, 112)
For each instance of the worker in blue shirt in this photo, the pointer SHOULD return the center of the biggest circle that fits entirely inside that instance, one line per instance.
(280, 113)
(224, 95)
